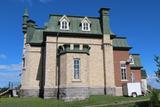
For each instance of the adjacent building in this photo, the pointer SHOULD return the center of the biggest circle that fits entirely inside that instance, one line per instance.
(73, 57)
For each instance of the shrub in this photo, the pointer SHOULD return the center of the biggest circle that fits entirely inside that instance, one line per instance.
(154, 99)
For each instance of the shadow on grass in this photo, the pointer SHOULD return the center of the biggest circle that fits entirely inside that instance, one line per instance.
(142, 104)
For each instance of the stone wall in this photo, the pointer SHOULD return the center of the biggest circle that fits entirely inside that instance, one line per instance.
(108, 65)
(92, 69)
(32, 74)
(96, 55)
(50, 87)
(70, 88)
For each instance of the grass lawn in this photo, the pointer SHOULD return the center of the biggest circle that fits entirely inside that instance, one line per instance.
(93, 100)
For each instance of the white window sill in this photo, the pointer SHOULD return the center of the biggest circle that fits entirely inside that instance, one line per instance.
(124, 80)
(76, 80)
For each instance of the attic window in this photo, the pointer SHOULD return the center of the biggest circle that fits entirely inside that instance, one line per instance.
(131, 59)
(86, 24)
(64, 23)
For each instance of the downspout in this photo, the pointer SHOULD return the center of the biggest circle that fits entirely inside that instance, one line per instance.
(57, 68)
(42, 82)
(104, 63)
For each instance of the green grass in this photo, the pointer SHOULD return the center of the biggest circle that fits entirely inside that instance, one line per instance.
(93, 100)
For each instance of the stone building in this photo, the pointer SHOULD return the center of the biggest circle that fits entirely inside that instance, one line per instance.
(73, 57)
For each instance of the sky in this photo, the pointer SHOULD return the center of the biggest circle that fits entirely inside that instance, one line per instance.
(138, 20)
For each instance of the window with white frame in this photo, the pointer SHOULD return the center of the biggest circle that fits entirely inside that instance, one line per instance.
(123, 69)
(86, 24)
(133, 79)
(64, 23)
(76, 69)
(131, 59)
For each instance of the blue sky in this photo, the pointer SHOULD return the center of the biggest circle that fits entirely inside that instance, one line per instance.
(138, 20)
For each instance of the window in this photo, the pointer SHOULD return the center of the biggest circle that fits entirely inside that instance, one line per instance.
(131, 59)
(64, 23)
(133, 79)
(76, 71)
(23, 62)
(86, 24)
(123, 70)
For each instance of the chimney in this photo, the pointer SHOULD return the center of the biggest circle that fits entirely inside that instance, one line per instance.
(104, 19)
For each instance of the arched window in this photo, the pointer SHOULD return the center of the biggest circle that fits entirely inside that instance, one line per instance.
(86, 24)
(64, 23)
(131, 59)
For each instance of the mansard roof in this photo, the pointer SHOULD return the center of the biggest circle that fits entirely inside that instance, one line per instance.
(35, 35)
(75, 25)
(64, 17)
(85, 19)
(120, 43)
(137, 61)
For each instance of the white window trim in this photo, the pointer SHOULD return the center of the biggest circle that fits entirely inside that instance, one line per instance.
(123, 62)
(133, 79)
(78, 79)
(62, 20)
(88, 22)
(131, 59)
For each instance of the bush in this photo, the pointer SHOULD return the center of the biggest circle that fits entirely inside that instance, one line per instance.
(154, 99)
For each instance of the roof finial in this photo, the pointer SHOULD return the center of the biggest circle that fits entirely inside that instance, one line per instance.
(25, 19)
(26, 12)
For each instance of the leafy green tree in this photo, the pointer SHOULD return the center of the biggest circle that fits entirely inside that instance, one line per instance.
(154, 99)
(157, 61)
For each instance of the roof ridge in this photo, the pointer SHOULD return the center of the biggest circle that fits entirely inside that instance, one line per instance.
(74, 16)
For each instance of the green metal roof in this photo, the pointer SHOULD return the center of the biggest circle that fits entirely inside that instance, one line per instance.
(75, 25)
(120, 42)
(143, 74)
(37, 36)
(137, 61)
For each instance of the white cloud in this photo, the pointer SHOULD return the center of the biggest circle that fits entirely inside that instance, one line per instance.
(12, 67)
(3, 56)
(8, 76)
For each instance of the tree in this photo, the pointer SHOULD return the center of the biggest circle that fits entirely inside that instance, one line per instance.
(154, 99)
(157, 61)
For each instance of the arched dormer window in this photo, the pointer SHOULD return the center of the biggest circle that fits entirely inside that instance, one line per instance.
(86, 24)
(131, 59)
(64, 23)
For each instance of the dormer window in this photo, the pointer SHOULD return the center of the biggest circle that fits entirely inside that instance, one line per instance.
(86, 24)
(131, 59)
(64, 23)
